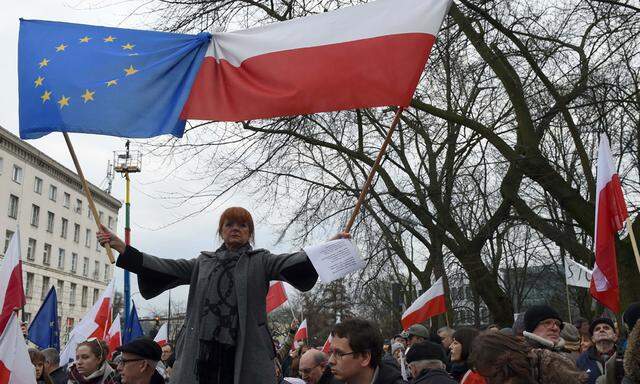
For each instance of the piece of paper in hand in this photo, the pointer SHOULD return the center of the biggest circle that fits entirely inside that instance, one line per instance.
(334, 259)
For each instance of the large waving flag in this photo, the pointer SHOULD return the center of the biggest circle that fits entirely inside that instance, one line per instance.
(108, 81)
(44, 330)
(11, 291)
(95, 323)
(132, 327)
(276, 296)
(120, 82)
(611, 212)
(366, 55)
(429, 304)
(15, 364)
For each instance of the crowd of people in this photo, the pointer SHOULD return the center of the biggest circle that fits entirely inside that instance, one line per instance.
(538, 348)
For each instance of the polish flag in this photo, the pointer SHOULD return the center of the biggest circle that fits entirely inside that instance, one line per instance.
(95, 323)
(162, 337)
(326, 348)
(362, 56)
(429, 304)
(11, 292)
(15, 364)
(276, 295)
(301, 334)
(611, 212)
(114, 336)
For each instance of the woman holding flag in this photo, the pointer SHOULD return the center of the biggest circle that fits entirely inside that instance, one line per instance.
(226, 339)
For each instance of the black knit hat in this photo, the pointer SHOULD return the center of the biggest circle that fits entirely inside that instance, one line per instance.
(602, 320)
(631, 315)
(425, 350)
(537, 314)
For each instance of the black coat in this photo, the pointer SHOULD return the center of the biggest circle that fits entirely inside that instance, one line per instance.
(433, 376)
(59, 375)
(388, 374)
(327, 377)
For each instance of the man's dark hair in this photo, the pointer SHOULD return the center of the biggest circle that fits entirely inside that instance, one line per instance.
(364, 336)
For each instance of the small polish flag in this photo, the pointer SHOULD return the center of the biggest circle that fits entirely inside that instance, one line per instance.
(15, 364)
(301, 334)
(11, 292)
(326, 348)
(162, 338)
(114, 335)
(276, 295)
(611, 212)
(429, 304)
(95, 323)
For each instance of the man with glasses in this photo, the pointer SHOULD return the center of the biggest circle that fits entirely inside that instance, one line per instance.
(138, 361)
(542, 328)
(313, 368)
(356, 354)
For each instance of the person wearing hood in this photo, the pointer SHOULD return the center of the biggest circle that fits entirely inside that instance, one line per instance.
(604, 339)
(427, 363)
(542, 328)
(356, 354)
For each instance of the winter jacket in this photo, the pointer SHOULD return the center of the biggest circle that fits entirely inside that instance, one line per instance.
(591, 362)
(59, 375)
(536, 341)
(388, 374)
(632, 356)
(548, 367)
(327, 377)
(433, 376)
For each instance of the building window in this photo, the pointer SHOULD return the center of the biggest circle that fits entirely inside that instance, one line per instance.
(37, 185)
(13, 206)
(85, 267)
(35, 215)
(72, 294)
(79, 206)
(100, 216)
(110, 222)
(46, 258)
(96, 294)
(87, 238)
(84, 297)
(98, 246)
(53, 192)
(17, 174)
(61, 257)
(66, 200)
(28, 290)
(60, 291)
(7, 240)
(74, 262)
(1, 165)
(31, 249)
(106, 272)
(65, 227)
(96, 270)
(76, 232)
(45, 287)
(50, 218)
(89, 214)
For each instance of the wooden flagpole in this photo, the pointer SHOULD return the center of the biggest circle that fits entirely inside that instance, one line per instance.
(634, 245)
(87, 192)
(367, 184)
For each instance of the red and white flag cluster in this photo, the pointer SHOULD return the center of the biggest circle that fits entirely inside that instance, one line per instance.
(114, 335)
(301, 334)
(429, 304)
(355, 57)
(276, 295)
(611, 212)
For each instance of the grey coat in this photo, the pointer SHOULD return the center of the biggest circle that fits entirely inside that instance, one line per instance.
(254, 270)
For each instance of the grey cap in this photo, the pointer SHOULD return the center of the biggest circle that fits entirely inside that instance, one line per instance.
(418, 330)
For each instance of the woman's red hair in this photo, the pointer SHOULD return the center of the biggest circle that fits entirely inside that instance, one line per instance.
(237, 215)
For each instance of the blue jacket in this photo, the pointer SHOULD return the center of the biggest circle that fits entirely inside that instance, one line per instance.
(591, 362)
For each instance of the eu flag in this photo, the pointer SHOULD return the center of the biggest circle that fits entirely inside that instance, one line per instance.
(44, 330)
(132, 327)
(106, 81)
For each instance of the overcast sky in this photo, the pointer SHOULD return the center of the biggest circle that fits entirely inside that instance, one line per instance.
(150, 216)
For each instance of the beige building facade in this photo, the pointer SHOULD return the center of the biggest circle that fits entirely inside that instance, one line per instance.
(57, 229)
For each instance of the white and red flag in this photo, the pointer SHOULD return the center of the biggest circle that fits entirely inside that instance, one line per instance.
(366, 55)
(611, 212)
(162, 337)
(326, 348)
(11, 291)
(114, 336)
(301, 334)
(429, 304)
(95, 323)
(276, 295)
(15, 364)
